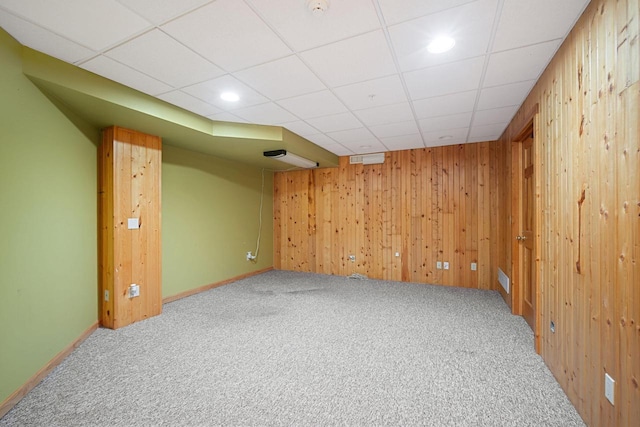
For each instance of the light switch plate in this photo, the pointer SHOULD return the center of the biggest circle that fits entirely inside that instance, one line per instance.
(474, 266)
(133, 223)
(609, 387)
(439, 265)
(446, 265)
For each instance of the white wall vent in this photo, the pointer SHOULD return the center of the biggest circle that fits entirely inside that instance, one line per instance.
(367, 159)
(504, 280)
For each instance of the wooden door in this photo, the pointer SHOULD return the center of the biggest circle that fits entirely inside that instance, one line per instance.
(526, 249)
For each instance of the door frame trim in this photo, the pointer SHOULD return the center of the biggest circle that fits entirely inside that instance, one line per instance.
(532, 123)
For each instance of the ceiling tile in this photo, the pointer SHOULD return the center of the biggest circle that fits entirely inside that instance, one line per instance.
(456, 103)
(227, 117)
(188, 102)
(351, 135)
(177, 66)
(526, 22)
(265, 114)
(496, 115)
(115, 71)
(395, 129)
(302, 30)
(321, 140)
(372, 93)
(445, 79)
(445, 137)
(337, 149)
(227, 33)
(211, 90)
(385, 114)
(470, 25)
(403, 142)
(504, 96)
(284, 78)
(366, 147)
(395, 11)
(455, 121)
(160, 11)
(43, 40)
(314, 104)
(300, 128)
(353, 60)
(487, 132)
(516, 65)
(95, 24)
(335, 122)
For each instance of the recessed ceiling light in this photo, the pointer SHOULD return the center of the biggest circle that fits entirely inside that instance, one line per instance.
(441, 44)
(230, 96)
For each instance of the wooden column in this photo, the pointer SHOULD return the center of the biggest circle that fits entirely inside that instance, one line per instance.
(129, 189)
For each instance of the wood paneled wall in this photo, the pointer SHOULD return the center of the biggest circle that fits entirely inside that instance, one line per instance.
(426, 205)
(589, 143)
(129, 181)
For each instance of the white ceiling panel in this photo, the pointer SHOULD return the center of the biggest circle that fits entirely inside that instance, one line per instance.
(353, 60)
(395, 129)
(385, 114)
(43, 40)
(445, 79)
(300, 128)
(487, 132)
(160, 11)
(456, 103)
(504, 96)
(335, 122)
(395, 11)
(177, 66)
(357, 73)
(284, 78)
(303, 30)
(445, 137)
(95, 24)
(115, 71)
(434, 124)
(190, 103)
(229, 34)
(470, 25)
(372, 93)
(366, 147)
(516, 65)
(265, 114)
(351, 135)
(496, 115)
(338, 149)
(526, 22)
(211, 90)
(314, 104)
(403, 142)
(227, 117)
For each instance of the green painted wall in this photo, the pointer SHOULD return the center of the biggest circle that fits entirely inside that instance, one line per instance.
(210, 219)
(48, 244)
(48, 222)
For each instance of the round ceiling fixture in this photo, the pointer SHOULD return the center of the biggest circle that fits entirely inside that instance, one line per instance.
(318, 7)
(441, 44)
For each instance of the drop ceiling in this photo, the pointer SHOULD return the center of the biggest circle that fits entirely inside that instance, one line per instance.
(355, 79)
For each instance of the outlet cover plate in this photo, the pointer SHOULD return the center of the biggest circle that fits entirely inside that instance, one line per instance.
(439, 265)
(446, 265)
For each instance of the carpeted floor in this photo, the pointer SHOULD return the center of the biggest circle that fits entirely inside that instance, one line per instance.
(287, 348)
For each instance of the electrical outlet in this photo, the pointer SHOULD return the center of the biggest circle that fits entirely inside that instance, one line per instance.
(474, 266)
(106, 295)
(552, 326)
(439, 265)
(609, 387)
(445, 265)
(134, 290)
(397, 254)
(250, 256)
